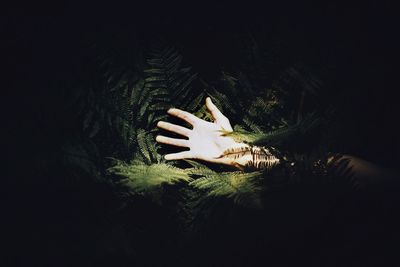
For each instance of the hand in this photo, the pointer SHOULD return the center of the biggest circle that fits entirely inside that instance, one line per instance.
(206, 141)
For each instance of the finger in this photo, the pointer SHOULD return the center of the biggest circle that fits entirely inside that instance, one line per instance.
(220, 118)
(180, 155)
(172, 141)
(217, 115)
(184, 115)
(173, 128)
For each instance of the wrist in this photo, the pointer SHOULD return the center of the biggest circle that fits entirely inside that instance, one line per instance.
(244, 156)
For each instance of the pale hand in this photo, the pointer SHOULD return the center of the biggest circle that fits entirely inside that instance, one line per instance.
(206, 141)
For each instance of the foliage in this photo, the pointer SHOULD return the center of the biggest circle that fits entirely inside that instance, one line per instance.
(140, 177)
(238, 185)
(118, 111)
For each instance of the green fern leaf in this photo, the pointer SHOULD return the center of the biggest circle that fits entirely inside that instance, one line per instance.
(141, 178)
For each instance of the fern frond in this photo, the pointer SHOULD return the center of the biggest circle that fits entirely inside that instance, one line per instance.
(142, 145)
(139, 177)
(204, 114)
(252, 125)
(237, 152)
(275, 136)
(263, 106)
(309, 123)
(241, 135)
(242, 187)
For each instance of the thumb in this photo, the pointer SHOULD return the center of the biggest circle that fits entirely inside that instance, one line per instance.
(219, 118)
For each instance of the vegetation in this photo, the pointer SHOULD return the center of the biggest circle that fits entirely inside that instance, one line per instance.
(117, 104)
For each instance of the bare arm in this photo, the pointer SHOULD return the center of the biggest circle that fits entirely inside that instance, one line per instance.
(368, 173)
(208, 141)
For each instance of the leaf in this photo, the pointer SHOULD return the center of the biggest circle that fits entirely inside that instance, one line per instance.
(140, 177)
(240, 186)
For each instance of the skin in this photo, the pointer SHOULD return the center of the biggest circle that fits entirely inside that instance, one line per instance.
(206, 142)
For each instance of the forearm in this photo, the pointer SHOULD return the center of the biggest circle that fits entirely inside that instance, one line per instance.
(251, 157)
(367, 173)
(256, 158)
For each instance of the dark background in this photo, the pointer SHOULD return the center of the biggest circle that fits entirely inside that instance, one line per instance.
(43, 46)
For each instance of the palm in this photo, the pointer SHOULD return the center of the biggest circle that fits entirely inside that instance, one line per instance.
(205, 141)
